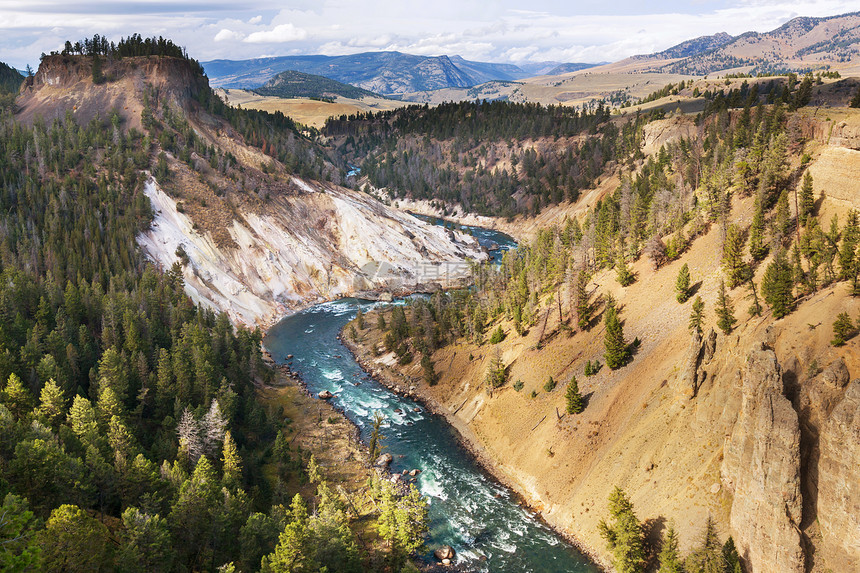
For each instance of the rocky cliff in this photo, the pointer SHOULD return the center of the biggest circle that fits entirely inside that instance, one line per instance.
(839, 484)
(321, 244)
(761, 467)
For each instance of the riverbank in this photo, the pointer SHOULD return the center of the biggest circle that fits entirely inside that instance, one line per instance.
(386, 375)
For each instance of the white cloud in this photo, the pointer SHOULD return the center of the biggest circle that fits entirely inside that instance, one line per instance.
(278, 35)
(228, 35)
(491, 31)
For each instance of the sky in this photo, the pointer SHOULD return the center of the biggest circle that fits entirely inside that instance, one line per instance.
(495, 31)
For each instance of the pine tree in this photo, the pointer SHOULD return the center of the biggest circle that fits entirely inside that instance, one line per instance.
(623, 273)
(430, 375)
(623, 534)
(682, 284)
(843, 328)
(575, 403)
(757, 246)
(730, 557)
(213, 428)
(782, 220)
(52, 405)
(807, 198)
(708, 556)
(232, 463)
(847, 250)
(295, 550)
(188, 432)
(733, 260)
(697, 315)
(16, 397)
(72, 542)
(145, 543)
(613, 341)
(777, 286)
(583, 300)
(725, 311)
(497, 373)
(670, 556)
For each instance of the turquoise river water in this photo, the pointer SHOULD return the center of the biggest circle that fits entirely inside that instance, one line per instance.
(468, 509)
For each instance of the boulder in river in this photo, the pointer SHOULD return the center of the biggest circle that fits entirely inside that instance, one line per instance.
(444, 552)
(415, 472)
(383, 460)
(326, 395)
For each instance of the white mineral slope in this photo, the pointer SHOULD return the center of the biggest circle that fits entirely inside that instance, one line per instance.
(322, 244)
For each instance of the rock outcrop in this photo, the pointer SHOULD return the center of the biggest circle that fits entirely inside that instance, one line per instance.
(761, 466)
(839, 484)
(699, 354)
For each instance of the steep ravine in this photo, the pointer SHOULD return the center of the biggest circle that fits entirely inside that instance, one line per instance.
(719, 426)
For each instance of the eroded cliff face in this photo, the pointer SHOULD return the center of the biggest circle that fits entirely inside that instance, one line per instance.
(318, 245)
(761, 466)
(839, 484)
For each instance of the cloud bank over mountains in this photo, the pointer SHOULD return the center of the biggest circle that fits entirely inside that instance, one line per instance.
(504, 31)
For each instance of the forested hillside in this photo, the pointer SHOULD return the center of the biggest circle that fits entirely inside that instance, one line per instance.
(493, 158)
(132, 436)
(291, 84)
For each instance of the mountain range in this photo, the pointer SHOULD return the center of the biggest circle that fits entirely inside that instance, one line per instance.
(387, 73)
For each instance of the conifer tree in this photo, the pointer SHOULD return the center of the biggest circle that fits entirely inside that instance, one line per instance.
(583, 303)
(52, 405)
(777, 286)
(431, 377)
(757, 246)
(736, 268)
(232, 463)
(782, 220)
(670, 555)
(613, 341)
(16, 397)
(575, 403)
(682, 284)
(843, 328)
(697, 315)
(847, 250)
(725, 311)
(497, 373)
(807, 198)
(708, 556)
(623, 534)
(623, 273)
(731, 559)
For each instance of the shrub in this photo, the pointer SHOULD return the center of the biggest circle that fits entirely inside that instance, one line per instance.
(518, 385)
(549, 385)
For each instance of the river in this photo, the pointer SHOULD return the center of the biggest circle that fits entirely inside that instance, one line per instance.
(468, 510)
